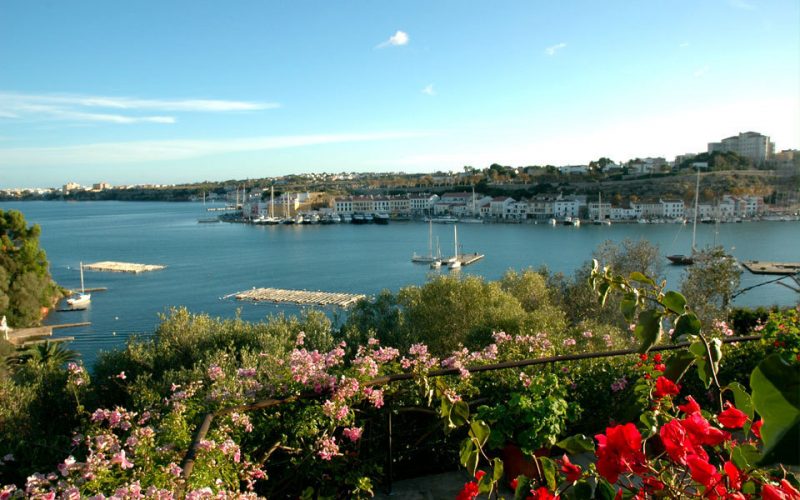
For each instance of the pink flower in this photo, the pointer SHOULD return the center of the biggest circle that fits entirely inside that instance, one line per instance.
(569, 342)
(353, 433)
(120, 459)
(327, 448)
(121, 375)
(215, 372)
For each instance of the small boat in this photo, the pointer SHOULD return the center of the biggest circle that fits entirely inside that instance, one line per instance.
(430, 258)
(381, 218)
(552, 222)
(359, 219)
(81, 300)
(443, 220)
(471, 220)
(208, 220)
(569, 221)
(687, 260)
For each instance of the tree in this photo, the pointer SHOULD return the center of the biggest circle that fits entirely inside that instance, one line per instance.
(25, 282)
(709, 284)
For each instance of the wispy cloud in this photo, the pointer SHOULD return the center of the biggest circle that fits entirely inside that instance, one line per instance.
(699, 72)
(551, 51)
(96, 108)
(684, 45)
(108, 153)
(742, 4)
(396, 40)
(428, 90)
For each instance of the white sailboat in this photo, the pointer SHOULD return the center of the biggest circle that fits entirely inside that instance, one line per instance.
(80, 300)
(455, 263)
(425, 259)
(437, 262)
(687, 260)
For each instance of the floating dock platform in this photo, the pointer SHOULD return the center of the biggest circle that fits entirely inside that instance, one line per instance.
(122, 267)
(27, 336)
(470, 258)
(300, 297)
(764, 267)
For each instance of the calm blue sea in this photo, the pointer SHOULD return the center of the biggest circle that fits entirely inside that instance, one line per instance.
(207, 261)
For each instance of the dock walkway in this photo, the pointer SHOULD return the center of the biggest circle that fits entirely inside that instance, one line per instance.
(26, 336)
(300, 297)
(122, 267)
(764, 267)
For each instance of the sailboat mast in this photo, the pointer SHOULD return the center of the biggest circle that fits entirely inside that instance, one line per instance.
(83, 290)
(455, 240)
(696, 198)
(430, 238)
(272, 201)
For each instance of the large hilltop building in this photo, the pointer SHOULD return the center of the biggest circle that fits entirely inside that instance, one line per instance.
(751, 145)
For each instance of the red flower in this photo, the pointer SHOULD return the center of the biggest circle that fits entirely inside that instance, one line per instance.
(756, 428)
(643, 357)
(665, 387)
(678, 442)
(690, 407)
(660, 367)
(702, 432)
(619, 450)
(469, 491)
(734, 476)
(570, 470)
(513, 484)
(652, 483)
(704, 473)
(657, 357)
(784, 491)
(542, 493)
(479, 474)
(732, 418)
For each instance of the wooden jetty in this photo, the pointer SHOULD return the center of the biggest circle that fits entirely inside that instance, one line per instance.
(122, 267)
(300, 297)
(26, 336)
(764, 267)
(470, 258)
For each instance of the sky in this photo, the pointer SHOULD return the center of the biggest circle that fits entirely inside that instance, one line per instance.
(182, 91)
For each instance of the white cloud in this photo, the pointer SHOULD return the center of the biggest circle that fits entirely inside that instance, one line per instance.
(170, 150)
(684, 45)
(428, 90)
(398, 39)
(551, 51)
(76, 107)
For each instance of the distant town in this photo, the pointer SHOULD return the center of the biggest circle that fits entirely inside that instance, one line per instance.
(738, 178)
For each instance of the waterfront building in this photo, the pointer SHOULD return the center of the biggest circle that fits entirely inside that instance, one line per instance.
(648, 209)
(498, 207)
(622, 213)
(71, 186)
(599, 208)
(517, 210)
(673, 209)
(752, 145)
(574, 169)
(566, 207)
(422, 204)
(541, 207)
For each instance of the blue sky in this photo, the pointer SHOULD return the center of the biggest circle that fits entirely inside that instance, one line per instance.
(163, 92)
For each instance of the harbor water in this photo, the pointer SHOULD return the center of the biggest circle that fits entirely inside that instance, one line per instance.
(205, 262)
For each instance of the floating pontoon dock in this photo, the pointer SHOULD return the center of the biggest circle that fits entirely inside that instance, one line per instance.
(300, 297)
(122, 267)
(763, 267)
(470, 258)
(26, 336)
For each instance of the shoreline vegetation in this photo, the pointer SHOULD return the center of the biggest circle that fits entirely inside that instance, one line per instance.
(135, 422)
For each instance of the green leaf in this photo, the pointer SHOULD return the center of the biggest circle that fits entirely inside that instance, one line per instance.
(479, 431)
(675, 302)
(582, 490)
(707, 367)
(604, 490)
(641, 278)
(677, 364)
(745, 456)
(742, 399)
(466, 450)
(459, 414)
(687, 324)
(603, 290)
(650, 422)
(628, 306)
(549, 471)
(776, 397)
(749, 488)
(648, 330)
(578, 443)
(497, 469)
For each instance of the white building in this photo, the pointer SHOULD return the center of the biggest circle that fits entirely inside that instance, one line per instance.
(566, 207)
(751, 145)
(597, 208)
(498, 207)
(574, 169)
(673, 209)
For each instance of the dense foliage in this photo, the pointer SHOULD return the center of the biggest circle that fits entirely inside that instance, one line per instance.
(25, 283)
(320, 393)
